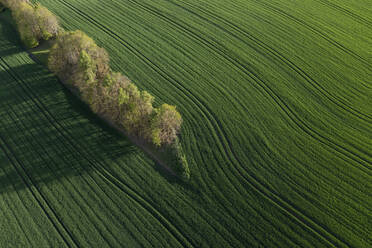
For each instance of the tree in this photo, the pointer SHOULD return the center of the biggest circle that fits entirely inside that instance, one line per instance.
(34, 23)
(11, 4)
(137, 111)
(166, 125)
(27, 24)
(114, 95)
(47, 21)
(76, 59)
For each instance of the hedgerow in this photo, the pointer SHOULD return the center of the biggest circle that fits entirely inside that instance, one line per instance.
(79, 62)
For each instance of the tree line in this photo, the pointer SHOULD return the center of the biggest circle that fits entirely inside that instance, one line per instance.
(81, 64)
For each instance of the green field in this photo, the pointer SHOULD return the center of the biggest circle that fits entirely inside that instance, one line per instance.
(276, 98)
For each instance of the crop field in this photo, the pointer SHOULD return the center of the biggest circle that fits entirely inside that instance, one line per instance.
(276, 99)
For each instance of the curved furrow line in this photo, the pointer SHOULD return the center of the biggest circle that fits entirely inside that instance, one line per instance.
(291, 114)
(356, 17)
(313, 200)
(201, 215)
(125, 45)
(120, 209)
(275, 53)
(228, 210)
(130, 193)
(135, 51)
(259, 43)
(82, 176)
(51, 159)
(102, 165)
(38, 196)
(316, 31)
(256, 78)
(246, 110)
(243, 67)
(289, 209)
(238, 222)
(8, 206)
(89, 17)
(46, 162)
(88, 152)
(190, 205)
(32, 186)
(102, 171)
(106, 175)
(220, 194)
(118, 182)
(98, 161)
(338, 147)
(323, 177)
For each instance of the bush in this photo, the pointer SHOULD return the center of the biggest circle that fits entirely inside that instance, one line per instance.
(34, 23)
(178, 160)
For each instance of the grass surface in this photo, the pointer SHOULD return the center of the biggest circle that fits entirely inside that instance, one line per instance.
(276, 101)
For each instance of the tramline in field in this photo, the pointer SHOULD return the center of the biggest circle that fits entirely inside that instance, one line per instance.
(275, 101)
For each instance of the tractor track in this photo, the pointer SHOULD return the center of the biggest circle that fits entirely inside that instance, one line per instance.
(32, 186)
(101, 170)
(253, 182)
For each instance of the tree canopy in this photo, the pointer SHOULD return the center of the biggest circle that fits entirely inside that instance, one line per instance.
(12, 4)
(166, 125)
(34, 22)
(76, 59)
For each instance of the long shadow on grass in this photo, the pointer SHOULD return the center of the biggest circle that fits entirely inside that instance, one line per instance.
(49, 133)
(46, 133)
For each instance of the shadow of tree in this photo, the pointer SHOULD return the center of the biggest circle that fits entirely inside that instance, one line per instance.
(51, 132)
(47, 132)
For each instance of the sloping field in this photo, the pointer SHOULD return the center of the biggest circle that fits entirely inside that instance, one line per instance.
(276, 101)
